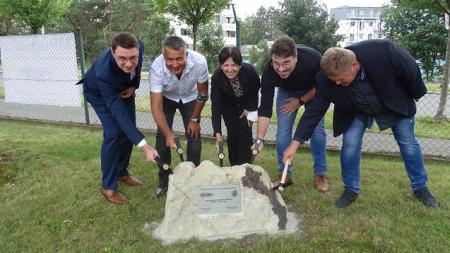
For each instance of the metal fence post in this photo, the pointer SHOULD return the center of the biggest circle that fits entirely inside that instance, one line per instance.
(238, 28)
(81, 56)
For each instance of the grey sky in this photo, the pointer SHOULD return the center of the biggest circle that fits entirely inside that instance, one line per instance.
(246, 8)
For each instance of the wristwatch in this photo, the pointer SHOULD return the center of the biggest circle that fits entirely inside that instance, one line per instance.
(196, 120)
(259, 141)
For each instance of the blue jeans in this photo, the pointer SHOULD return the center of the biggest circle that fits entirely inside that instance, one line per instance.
(409, 148)
(285, 129)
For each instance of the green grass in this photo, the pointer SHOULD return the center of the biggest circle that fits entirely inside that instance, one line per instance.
(434, 87)
(50, 202)
(2, 92)
(426, 127)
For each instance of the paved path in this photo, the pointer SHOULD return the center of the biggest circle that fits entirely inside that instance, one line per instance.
(373, 142)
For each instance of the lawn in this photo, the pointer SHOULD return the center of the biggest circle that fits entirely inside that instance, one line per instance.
(50, 202)
(426, 127)
(434, 87)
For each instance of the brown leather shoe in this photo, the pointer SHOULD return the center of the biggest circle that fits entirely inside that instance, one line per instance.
(321, 183)
(113, 196)
(287, 181)
(130, 180)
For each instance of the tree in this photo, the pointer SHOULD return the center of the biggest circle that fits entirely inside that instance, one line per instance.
(307, 23)
(259, 56)
(193, 12)
(7, 26)
(99, 20)
(142, 18)
(34, 13)
(439, 7)
(419, 31)
(154, 32)
(211, 42)
(262, 26)
(92, 19)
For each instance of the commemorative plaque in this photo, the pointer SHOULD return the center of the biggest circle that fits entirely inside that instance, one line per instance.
(219, 199)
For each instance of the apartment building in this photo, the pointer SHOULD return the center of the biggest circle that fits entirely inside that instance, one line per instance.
(225, 19)
(357, 23)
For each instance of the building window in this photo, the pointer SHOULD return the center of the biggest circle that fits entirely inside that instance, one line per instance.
(231, 34)
(361, 25)
(361, 36)
(369, 36)
(352, 37)
(185, 31)
(230, 20)
(352, 23)
(370, 23)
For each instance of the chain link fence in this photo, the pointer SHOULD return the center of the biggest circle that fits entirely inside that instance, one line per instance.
(38, 73)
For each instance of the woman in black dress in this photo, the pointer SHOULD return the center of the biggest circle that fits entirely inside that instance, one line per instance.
(234, 96)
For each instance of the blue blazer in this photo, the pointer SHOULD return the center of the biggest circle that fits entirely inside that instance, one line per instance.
(102, 85)
(393, 73)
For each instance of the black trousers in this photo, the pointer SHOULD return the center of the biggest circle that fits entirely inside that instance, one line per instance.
(239, 138)
(194, 146)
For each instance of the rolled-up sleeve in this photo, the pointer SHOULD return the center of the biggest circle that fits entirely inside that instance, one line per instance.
(204, 74)
(155, 77)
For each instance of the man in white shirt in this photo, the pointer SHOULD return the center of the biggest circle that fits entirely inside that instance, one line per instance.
(178, 80)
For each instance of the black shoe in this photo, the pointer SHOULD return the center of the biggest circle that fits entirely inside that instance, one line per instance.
(163, 182)
(424, 195)
(346, 199)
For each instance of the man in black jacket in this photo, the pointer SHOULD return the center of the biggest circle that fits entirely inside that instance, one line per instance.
(370, 80)
(291, 69)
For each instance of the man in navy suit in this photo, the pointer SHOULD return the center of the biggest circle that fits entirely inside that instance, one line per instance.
(109, 86)
(367, 81)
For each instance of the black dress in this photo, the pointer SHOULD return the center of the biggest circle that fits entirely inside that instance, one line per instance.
(229, 100)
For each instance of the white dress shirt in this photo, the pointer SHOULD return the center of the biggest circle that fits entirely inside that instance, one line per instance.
(161, 79)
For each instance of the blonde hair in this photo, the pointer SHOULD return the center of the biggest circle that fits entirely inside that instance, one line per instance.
(336, 61)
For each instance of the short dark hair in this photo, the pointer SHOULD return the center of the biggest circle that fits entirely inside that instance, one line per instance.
(284, 46)
(232, 52)
(125, 40)
(175, 43)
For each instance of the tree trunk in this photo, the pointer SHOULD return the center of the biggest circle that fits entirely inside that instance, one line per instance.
(443, 99)
(194, 37)
(34, 29)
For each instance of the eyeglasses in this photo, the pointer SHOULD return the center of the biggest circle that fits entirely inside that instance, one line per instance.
(122, 60)
(285, 64)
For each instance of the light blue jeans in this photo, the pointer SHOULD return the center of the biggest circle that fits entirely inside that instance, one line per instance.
(409, 148)
(285, 127)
